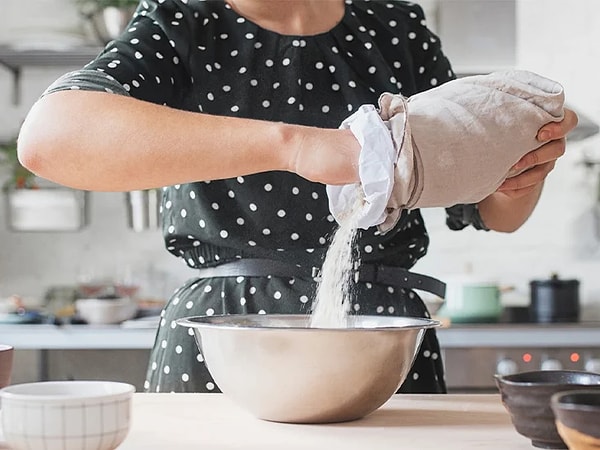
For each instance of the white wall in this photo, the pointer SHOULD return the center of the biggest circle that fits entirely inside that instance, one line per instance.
(555, 38)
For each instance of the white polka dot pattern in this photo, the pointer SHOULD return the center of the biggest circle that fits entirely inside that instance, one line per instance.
(202, 56)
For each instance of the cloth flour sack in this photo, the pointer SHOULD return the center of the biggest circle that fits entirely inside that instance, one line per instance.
(452, 144)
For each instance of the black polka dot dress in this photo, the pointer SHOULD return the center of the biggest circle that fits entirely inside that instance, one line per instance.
(202, 56)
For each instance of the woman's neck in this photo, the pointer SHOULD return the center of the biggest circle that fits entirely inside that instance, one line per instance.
(292, 17)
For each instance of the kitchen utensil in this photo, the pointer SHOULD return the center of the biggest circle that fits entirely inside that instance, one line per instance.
(554, 300)
(67, 415)
(22, 317)
(280, 369)
(471, 299)
(578, 418)
(6, 363)
(13, 310)
(527, 395)
(109, 22)
(515, 314)
(99, 311)
(143, 209)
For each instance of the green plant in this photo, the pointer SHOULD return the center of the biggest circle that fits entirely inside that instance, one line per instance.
(20, 177)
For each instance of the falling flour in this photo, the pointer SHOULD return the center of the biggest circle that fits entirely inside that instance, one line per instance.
(333, 302)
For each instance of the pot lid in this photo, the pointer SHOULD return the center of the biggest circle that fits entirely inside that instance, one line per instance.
(469, 280)
(554, 281)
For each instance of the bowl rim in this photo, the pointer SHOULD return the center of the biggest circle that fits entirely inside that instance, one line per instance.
(206, 321)
(19, 391)
(557, 400)
(508, 379)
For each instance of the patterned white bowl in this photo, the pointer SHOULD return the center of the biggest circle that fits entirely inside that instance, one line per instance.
(67, 415)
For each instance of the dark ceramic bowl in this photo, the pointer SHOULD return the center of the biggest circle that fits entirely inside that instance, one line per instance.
(577, 416)
(526, 396)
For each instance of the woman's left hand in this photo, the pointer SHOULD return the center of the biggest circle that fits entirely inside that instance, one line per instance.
(534, 167)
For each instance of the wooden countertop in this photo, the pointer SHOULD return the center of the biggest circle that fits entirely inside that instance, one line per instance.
(416, 422)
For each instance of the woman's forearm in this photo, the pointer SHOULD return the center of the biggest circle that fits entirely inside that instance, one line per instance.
(106, 142)
(502, 213)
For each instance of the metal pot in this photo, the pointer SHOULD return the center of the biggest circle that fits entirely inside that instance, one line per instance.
(143, 209)
(472, 300)
(109, 22)
(554, 300)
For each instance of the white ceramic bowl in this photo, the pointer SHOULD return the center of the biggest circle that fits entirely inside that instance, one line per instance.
(280, 369)
(100, 311)
(66, 415)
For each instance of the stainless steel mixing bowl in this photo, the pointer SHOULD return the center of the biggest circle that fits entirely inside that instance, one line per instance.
(279, 369)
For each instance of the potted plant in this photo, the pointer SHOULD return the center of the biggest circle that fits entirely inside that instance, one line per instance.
(19, 176)
(108, 18)
(35, 204)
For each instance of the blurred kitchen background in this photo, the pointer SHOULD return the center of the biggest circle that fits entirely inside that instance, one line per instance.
(563, 234)
(111, 241)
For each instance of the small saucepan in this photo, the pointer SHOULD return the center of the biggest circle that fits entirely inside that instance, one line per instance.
(472, 300)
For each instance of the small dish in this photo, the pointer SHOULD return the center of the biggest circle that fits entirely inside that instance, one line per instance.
(101, 311)
(578, 418)
(526, 396)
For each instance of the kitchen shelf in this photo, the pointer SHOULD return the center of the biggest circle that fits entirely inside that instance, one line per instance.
(14, 59)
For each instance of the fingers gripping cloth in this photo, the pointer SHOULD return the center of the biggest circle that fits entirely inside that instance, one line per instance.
(452, 144)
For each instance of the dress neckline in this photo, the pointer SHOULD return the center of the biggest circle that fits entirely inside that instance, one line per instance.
(344, 17)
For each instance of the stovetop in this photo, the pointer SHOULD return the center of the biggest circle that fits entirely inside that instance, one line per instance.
(473, 353)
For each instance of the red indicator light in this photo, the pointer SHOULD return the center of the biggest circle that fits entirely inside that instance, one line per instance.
(527, 357)
(574, 357)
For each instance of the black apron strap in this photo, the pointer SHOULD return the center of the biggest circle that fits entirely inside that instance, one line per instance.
(366, 273)
(253, 267)
(400, 277)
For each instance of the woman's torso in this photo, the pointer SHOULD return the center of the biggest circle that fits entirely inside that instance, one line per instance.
(233, 67)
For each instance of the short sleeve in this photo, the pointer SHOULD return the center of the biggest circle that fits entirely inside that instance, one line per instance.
(143, 62)
(87, 80)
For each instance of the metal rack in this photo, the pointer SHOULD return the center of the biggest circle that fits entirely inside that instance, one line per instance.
(14, 59)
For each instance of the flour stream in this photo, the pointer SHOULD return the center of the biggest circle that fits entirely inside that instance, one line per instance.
(333, 302)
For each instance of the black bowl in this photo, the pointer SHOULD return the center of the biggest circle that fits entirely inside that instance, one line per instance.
(577, 416)
(526, 396)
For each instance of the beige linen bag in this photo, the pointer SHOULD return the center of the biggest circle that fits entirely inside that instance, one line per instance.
(452, 144)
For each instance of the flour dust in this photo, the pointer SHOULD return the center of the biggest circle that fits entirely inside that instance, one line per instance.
(333, 301)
